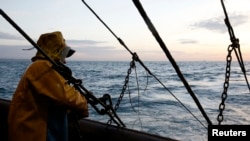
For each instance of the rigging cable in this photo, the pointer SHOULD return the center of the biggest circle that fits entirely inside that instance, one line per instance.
(138, 59)
(138, 98)
(235, 44)
(169, 56)
(232, 47)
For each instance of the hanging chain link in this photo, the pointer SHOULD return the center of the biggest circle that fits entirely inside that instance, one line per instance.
(132, 65)
(226, 85)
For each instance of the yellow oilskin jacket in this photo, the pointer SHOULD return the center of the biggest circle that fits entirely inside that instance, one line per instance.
(41, 89)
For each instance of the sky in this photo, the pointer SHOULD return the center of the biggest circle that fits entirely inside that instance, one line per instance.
(192, 30)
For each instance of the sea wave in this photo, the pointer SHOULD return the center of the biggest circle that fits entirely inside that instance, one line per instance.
(147, 105)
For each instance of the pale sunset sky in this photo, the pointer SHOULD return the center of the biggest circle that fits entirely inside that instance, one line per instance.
(192, 30)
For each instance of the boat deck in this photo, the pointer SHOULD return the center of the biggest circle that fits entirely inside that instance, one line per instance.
(89, 130)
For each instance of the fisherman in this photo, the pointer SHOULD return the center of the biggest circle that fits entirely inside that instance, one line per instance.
(43, 98)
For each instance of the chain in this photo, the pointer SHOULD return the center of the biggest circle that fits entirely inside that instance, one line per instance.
(226, 85)
(132, 65)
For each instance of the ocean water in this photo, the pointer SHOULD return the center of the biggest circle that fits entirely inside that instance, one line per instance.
(157, 106)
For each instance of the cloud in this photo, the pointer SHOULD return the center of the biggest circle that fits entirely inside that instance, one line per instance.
(96, 49)
(16, 51)
(85, 49)
(8, 36)
(188, 41)
(91, 51)
(84, 42)
(217, 23)
(90, 46)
